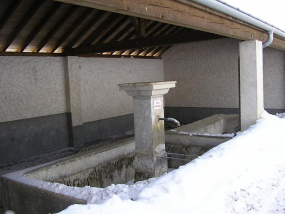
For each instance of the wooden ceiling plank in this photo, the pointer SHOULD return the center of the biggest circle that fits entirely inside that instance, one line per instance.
(154, 50)
(72, 27)
(167, 30)
(115, 30)
(11, 9)
(142, 27)
(86, 28)
(22, 24)
(135, 22)
(176, 29)
(40, 25)
(152, 28)
(30, 54)
(56, 27)
(176, 13)
(102, 29)
(108, 29)
(144, 43)
(161, 51)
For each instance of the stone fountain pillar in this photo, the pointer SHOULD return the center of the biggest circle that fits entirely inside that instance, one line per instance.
(149, 131)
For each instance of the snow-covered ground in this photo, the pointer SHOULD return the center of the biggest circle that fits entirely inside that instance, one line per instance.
(243, 175)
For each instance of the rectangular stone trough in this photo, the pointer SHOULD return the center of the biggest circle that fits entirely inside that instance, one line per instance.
(193, 140)
(100, 167)
(103, 166)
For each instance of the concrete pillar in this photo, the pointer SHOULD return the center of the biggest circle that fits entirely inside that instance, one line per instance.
(149, 131)
(251, 82)
(74, 102)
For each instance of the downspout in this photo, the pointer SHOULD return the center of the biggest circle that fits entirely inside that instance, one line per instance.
(270, 39)
(237, 13)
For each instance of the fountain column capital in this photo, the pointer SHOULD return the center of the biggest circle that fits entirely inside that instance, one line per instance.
(147, 89)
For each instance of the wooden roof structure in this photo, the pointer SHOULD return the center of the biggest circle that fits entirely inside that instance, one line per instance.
(46, 27)
(112, 28)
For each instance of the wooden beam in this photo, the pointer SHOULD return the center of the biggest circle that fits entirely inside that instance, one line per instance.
(194, 16)
(72, 27)
(152, 28)
(161, 51)
(115, 30)
(103, 28)
(85, 29)
(170, 31)
(118, 56)
(31, 54)
(22, 24)
(135, 22)
(143, 43)
(40, 25)
(56, 27)
(11, 9)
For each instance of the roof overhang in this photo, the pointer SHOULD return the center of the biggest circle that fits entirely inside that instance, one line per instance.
(192, 15)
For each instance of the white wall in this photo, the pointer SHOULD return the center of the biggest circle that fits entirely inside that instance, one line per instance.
(274, 78)
(31, 87)
(207, 75)
(100, 95)
(36, 86)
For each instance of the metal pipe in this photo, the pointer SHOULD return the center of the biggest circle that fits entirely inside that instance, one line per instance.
(180, 154)
(239, 14)
(170, 119)
(270, 39)
(176, 158)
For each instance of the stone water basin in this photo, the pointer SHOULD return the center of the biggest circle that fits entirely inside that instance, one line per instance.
(103, 166)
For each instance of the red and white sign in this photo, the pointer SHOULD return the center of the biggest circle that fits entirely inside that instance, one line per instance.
(157, 104)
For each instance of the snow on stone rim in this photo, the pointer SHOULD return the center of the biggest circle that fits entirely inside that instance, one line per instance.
(243, 175)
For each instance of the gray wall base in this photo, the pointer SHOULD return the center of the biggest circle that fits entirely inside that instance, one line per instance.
(191, 114)
(22, 139)
(102, 129)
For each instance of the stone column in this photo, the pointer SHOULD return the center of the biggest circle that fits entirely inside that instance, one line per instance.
(251, 82)
(74, 101)
(149, 131)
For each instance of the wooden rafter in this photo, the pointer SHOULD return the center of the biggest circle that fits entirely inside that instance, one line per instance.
(114, 31)
(140, 25)
(56, 27)
(13, 6)
(107, 28)
(170, 31)
(85, 29)
(103, 28)
(71, 29)
(143, 43)
(190, 16)
(22, 24)
(40, 25)
(30, 54)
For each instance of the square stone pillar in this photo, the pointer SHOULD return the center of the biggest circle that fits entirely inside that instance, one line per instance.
(251, 82)
(149, 130)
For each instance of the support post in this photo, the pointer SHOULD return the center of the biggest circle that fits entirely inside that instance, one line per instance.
(149, 130)
(74, 102)
(251, 82)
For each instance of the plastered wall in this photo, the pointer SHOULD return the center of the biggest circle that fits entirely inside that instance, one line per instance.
(31, 87)
(207, 75)
(36, 86)
(100, 95)
(274, 78)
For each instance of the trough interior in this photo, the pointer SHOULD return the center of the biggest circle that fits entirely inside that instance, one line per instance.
(113, 163)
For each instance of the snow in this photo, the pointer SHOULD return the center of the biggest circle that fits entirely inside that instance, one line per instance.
(271, 12)
(243, 175)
